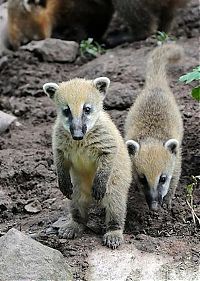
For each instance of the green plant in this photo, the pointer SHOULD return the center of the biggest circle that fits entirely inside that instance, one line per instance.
(163, 37)
(189, 197)
(190, 77)
(91, 47)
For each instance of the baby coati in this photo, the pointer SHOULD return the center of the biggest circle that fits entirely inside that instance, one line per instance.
(38, 19)
(145, 17)
(154, 131)
(91, 158)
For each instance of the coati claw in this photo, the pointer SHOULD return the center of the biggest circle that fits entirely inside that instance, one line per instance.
(70, 230)
(113, 239)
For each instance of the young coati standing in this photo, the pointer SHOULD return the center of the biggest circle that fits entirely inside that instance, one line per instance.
(145, 17)
(37, 19)
(154, 131)
(91, 158)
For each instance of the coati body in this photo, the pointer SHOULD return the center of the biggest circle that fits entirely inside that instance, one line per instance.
(145, 17)
(91, 158)
(37, 19)
(154, 131)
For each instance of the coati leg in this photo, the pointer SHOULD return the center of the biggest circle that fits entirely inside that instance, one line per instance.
(62, 167)
(115, 205)
(115, 217)
(78, 219)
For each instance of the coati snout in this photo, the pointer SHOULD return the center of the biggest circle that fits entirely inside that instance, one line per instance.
(77, 125)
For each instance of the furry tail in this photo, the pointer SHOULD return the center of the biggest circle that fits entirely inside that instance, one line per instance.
(158, 60)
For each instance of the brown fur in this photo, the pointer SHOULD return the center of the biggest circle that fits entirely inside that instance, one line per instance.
(153, 120)
(145, 17)
(98, 165)
(80, 19)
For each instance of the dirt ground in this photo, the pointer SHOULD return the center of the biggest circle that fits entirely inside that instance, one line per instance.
(27, 173)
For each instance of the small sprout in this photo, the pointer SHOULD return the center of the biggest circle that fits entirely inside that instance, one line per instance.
(163, 37)
(190, 77)
(91, 47)
(189, 197)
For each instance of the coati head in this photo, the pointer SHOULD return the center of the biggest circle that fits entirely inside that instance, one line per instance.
(27, 20)
(79, 103)
(153, 164)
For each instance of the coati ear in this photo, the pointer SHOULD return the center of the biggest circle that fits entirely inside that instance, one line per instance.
(172, 145)
(132, 146)
(50, 89)
(102, 84)
(29, 4)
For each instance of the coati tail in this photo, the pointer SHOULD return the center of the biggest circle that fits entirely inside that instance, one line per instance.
(157, 61)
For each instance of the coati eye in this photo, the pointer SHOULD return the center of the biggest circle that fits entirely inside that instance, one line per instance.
(162, 179)
(66, 111)
(142, 179)
(87, 109)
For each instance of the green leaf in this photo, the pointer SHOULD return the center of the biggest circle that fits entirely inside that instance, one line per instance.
(190, 76)
(196, 93)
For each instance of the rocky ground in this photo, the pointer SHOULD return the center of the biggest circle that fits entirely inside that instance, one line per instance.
(29, 198)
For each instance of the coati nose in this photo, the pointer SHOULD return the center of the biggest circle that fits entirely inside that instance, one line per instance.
(77, 135)
(153, 206)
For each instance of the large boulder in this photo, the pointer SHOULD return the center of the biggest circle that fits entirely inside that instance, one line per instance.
(53, 50)
(24, 259)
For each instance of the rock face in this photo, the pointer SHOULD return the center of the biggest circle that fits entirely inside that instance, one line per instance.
(53, 50)
(24, 259)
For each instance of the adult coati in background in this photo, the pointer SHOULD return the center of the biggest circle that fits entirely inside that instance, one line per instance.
(145, 17)
(38, 19)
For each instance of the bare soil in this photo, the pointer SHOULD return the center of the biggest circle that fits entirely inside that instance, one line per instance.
(27, 172)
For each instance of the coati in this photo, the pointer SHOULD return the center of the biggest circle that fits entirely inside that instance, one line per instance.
(145, 17)
(91, 158)
(154, 131)
(38, 19)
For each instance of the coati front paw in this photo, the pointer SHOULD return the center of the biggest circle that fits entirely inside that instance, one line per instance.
(167, 202)
(71, 230)
(68, 194)
(113, 239)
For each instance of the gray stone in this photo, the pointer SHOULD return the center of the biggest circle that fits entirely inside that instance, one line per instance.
(53, 50)
(120, 96)
(24, 259)
(5, 121)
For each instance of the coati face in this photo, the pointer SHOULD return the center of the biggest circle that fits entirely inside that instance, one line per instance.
(27, 20)
(79, 103)
(153, 164)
